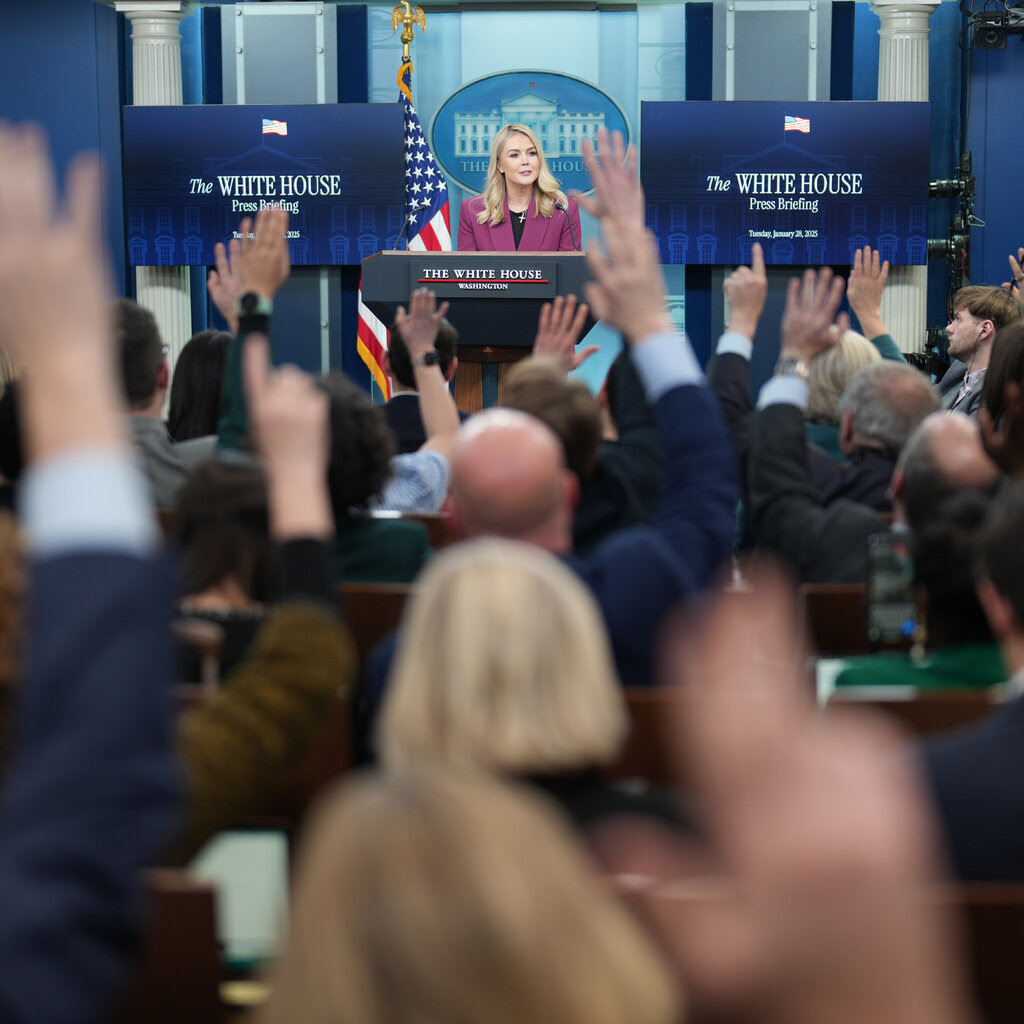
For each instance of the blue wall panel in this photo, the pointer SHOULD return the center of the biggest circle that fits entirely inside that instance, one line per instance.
(64, 71)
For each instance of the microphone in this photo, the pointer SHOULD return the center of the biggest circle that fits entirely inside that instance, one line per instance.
(408, 219)
(572, 234)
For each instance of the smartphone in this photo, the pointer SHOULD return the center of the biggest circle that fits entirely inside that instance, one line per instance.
(891, 604)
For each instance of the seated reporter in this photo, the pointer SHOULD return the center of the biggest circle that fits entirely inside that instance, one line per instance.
(447, 897)
(504, 666)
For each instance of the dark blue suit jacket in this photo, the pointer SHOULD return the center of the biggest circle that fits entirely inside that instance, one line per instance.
(975, 775)
(93, 789)
(640, 573)
(406, 422)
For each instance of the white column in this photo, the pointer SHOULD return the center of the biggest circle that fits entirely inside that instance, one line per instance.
(156, 81)
(903, 75)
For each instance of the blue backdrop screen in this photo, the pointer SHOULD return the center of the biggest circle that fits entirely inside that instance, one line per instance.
(809, 181)
(192, 173)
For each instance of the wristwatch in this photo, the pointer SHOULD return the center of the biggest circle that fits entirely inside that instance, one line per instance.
(252, 304)
(427, 359)
(792, 367)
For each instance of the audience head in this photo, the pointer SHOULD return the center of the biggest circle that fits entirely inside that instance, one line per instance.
(399, 367)
(945, 552)
(509, 479)
(457, 899)
(883, 404)
(978, 312)
(540, 387)
(943, 455)
(832, 372)
(143, 366)
(221, 529)
(504, 665)
(1006, 364)
(361, 445)
(196, 386)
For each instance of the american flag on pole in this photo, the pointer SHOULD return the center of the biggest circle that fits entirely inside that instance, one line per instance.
(429, 228)
(797, 124)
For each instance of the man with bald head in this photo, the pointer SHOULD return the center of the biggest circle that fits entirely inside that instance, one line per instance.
(509, 478)
(828, 543)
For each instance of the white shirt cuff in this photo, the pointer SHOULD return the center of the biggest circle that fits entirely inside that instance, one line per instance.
(664, 361)
(735, 343)
(786, 389)
(86, 500)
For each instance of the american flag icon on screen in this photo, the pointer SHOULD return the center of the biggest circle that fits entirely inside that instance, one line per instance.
(274, 127)
(797, 124)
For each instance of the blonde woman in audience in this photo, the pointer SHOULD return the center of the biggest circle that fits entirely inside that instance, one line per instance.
(830, 375)
(504, 665)
(457, 900)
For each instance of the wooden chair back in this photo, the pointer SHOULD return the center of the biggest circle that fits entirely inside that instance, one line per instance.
(923, 711)
(436, 524)
(207, 640)
(835, 615)
(179, 973)
(993, 921)
(372, 611)
(644, 754)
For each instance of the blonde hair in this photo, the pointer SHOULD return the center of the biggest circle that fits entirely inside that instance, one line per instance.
(545, 188)
(832, 372)
(504, 665)
(457, 899)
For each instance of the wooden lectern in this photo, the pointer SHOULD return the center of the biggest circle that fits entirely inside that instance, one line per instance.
(495, 300)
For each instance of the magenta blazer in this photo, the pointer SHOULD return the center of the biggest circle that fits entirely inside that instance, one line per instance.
(540, 234)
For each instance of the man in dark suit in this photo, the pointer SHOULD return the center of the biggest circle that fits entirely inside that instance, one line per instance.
(828, 543)
(974, 774)
(403, 409)
(92, 790)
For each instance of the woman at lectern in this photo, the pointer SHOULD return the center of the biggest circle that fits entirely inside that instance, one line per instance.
(522, 206)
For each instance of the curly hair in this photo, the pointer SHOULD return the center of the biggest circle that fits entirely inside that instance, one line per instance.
(362, 445)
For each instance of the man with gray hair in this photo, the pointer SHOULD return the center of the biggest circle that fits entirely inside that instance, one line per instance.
(879, 410)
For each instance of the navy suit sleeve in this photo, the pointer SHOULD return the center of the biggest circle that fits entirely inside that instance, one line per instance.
(640, 573)
(92, 793)
(729, 377)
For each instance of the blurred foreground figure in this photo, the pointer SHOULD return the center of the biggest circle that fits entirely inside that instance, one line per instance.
(811, 898)
(458, 900)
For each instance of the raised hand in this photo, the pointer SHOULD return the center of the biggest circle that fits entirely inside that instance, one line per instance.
(627, 290)
(865, 287)
(224, 284)
(289, 416)
(745, 290)
(809, 901)
(809, 321)
(419, 329)
(612, 168)
(54, 297)
(1017, 276)
(558, 332)
(419, 326)
(264, 261)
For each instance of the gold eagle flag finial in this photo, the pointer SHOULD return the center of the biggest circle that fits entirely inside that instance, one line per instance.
(404, 14)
